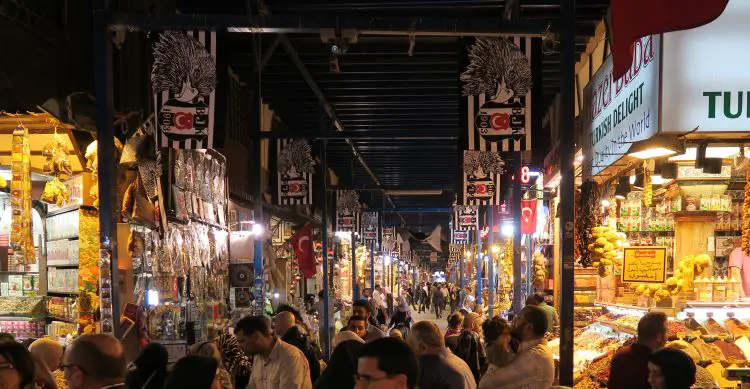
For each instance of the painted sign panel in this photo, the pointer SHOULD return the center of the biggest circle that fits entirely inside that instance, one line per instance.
(645, 264)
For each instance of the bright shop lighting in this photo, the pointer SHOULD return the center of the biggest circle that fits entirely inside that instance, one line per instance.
(387, 259)
(495, 249)
(711, 152)
(605, 203)
(153, 297)
(659, 145)
(507, 230)
(276, 295)
(343, 235)
(257, 229)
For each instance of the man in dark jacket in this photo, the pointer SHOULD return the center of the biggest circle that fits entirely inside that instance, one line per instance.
(629, 367)
(286, 328)
(469, 347)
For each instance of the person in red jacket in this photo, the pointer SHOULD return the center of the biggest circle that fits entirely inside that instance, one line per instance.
(629, 367)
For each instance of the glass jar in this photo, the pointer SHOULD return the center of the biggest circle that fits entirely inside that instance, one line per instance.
(733, 290)
(720, 289)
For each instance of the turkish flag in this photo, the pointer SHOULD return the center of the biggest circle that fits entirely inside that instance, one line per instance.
(302, 242)
(630, 20)
(528, 216)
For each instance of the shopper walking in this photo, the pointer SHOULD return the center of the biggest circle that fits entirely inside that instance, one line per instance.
(629, 367)
(276, 364)
(469, 346)
(380, 304)
(195, 372)
(149, 370)
(285, 327)
(438, 367)
(534, 366)
(22, 371)
(95, 361)
(387, 363)
(234, 359)
(209, 349)
(423, 305)
(438, 302)
(343, 364)
(364, 309)
(496, 333)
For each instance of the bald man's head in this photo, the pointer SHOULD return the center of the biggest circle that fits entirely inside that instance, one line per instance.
(282, 322)
(95, 358)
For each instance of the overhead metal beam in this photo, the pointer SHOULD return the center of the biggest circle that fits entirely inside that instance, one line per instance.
(292, 53)
(268, 54)
(368, 135)
(366, 25)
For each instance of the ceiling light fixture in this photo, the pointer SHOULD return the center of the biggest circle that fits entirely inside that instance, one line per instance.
(659, 145)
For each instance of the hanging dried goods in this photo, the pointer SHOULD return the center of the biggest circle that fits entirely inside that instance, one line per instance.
(605, 249)
(588, 217)
(540, 270)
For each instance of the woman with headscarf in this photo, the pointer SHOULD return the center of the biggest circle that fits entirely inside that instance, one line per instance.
(401, 319)
(343, 363)
(209, 349)
(670, 368)
(235, 360)
(47, 354)
(195, 372)
(149, 370)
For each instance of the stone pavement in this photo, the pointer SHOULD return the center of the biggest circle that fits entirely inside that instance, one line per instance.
(442, 323)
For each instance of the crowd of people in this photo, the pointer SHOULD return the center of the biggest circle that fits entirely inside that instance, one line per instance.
(266, 352)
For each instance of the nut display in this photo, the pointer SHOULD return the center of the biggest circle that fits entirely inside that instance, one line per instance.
(540, 270)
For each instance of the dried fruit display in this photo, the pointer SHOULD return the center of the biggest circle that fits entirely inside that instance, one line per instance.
(605, 249)
(682, 280)
(687, 348)
(675, 328)
(746, 215)
(21, 238)
(588, 217)
(540, 270)
(586, 383)
(599, 368)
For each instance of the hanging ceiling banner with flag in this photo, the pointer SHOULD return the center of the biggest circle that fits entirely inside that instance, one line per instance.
(388, 242)
(528, 216)
(302, 242)
(347, 210)
(460, 237)
(369, 227)
(184, 83)
(498, 91)
(295, 167)
(465, 217)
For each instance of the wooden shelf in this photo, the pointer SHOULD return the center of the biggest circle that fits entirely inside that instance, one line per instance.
(696, 216)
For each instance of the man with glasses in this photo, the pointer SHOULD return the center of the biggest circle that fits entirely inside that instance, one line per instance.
(95, 361)
(276, 364)
(386, 363)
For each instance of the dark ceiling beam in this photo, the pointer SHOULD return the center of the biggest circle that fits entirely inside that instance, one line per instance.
(331, 113)
(305, 23)
(268, 54)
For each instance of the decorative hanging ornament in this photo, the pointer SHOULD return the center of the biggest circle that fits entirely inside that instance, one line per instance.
(347, 209)
(295, 167)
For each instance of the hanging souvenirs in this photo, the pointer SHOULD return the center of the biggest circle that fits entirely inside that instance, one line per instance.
(389, 239)
(21, 236)
(347, 210)
(295, 167)
(56, 162)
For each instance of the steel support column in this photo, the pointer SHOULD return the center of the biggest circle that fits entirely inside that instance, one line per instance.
(355, 284)
(372, 266)
(491, 262)
(567, 190)
(108, 209)
(326, 322)
(479, 263)
(517, 287)
(260, 297)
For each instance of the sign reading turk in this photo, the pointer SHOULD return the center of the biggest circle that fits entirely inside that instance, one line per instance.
(622, 111)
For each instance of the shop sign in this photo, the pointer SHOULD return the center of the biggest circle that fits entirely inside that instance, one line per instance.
(460, 236)
(465, 217)
(705, 83)
(620, 112)
(645, 264)
(370, 226)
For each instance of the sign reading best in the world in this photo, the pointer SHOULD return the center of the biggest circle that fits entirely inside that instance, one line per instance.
(619, 112)
(705, 78)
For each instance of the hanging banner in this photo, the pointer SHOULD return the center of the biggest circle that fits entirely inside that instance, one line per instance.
(347, 210)
(302, 242)
(465, 217)
(460, 237)
(295, 167)
(528, 216)
(369, 227)
(388, 242)
(497, 92)
(482, 170)
(184, 81)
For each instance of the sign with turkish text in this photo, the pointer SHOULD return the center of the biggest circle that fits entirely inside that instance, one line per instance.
(645, 264)
(705, 82)
(620, 112)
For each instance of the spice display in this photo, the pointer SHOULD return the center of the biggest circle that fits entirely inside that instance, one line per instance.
(708, 351)
(714, 328)
(687, 348)
(676, 329)
(744, 344)
(703, 379)
(736, 327)
(730, 350)
(717, 372)
(693, 325)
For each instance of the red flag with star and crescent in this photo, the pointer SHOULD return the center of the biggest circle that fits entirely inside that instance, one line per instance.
(528, 216)
(302, 242)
